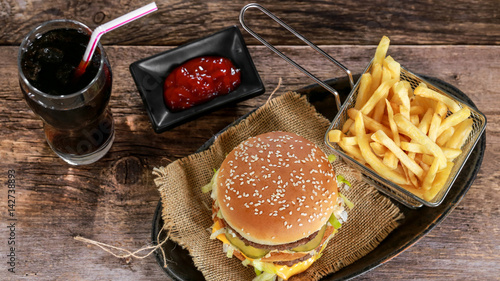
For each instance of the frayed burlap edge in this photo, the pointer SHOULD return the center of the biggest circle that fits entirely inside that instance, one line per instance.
(186, 211)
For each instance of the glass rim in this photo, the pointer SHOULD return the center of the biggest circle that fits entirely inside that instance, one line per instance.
(22, 50)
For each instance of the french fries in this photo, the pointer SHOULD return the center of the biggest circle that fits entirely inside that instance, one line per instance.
(407, 135)
(407, 128)
(381, 51)
(335, 135)
(428, 93)
(382, 138)
(370, 157)
(363, 91)
(379, 94)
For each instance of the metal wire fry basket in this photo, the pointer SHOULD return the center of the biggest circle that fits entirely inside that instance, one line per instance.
(382, 184)
(388, 187)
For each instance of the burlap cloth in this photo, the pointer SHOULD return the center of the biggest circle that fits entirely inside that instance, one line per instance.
(187, 214)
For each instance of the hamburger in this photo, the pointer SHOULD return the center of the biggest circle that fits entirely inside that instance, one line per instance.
(275, 204)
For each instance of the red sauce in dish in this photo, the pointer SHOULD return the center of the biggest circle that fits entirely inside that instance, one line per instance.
(200, 80)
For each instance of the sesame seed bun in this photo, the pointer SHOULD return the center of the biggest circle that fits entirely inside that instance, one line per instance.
(276, 188)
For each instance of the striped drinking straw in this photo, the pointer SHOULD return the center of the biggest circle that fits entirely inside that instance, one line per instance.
(111, 25)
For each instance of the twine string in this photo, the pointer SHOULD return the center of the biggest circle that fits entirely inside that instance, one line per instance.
(109, 248)
(275, 89)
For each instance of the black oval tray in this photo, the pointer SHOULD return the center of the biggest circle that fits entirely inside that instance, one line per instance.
(416, 224)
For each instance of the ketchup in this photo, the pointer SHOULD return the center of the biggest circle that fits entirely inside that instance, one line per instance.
(198, 81)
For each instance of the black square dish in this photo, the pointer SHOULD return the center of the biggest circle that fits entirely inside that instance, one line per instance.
(150, 73)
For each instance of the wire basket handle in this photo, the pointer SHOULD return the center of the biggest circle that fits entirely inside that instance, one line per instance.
(287, 59)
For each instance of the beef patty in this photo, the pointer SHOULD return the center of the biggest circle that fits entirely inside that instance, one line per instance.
(280, 247)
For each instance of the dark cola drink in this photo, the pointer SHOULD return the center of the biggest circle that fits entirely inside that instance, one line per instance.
(77, 122)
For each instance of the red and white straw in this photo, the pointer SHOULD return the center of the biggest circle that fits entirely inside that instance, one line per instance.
(111, 25)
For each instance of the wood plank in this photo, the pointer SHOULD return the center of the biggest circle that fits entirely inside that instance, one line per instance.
(113, 201)
(324, 22)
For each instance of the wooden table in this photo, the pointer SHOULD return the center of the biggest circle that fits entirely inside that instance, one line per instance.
(113, 200)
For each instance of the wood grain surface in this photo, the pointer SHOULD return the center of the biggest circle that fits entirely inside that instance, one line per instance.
(113, 200)
(329, 22)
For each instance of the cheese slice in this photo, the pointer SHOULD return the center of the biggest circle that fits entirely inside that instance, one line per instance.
(286, 272)
(222, 236)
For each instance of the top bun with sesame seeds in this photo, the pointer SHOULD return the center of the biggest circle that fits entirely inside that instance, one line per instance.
(276, 188)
